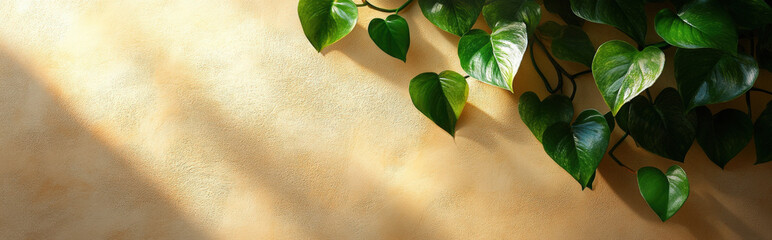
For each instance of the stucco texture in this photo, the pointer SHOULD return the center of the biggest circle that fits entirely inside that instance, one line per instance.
(217, 119)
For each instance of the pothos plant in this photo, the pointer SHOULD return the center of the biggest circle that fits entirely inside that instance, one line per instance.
(721, 46)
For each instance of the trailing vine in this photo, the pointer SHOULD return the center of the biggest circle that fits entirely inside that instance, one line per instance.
(721, 47)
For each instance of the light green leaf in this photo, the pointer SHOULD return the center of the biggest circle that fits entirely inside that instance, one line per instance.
(699, 24)
(510, 11)
(391, 35)
(441, 97)
(762, 134)
(663, 128)
(622, 72)
(626, 15)
(578, 148)
(453, 16)
(708, 76)
(327, 21)
(494, 59)
(538, 115)
(724, 135)
(665, 193)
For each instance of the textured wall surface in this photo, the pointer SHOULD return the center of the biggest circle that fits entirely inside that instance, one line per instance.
(216, 119)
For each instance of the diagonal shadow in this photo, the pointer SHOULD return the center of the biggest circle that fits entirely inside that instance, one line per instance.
(59, 180)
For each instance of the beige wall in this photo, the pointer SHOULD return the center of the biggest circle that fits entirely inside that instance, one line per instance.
(216, 119)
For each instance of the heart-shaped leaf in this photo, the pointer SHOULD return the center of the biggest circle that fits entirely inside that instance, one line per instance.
(764, 48)
(610, 121)
(724, 135)
(538, 115)
(665, 193)
(510, 11)
(763, 135)
(622, 72)
(494, 59)
(327, 21)
(391, 35)
(663, 128)
(441, 97)
(453, 16)
(626, 15)
(569, 43)
(707, 76)
(578, 148)
(749, 14)
(622, 117)
(563, 9)
(699, 24)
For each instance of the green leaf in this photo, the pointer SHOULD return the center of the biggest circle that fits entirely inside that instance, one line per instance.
(626, 15)
(610, 121)
(622, 117)
(440, 97)
(764, 48)
(327, 21)
(724, 135)
(538, 115)
(453, 16)
(578, 148)
(563, 9)
(494, 59)
(510, 11)
(707, 76)
(569, 43)
(622, 72)
(699, 24)
(391, 35)
(665, 193)
(763, 135)
(663, 128)
(749, 14)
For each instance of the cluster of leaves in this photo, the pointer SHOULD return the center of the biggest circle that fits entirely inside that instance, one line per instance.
(709, 69)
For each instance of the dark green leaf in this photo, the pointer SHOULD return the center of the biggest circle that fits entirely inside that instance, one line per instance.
(494, 59)
(326, 21)
(578, 148)
(569, 43)
(699, 24)
(440, 97)
(622, 117)
(610, 121)
(391, 35)
(626, 15)
(453, 16)
(663, 128)
(763, 135)
(707, 76)
(665, 193)
(724, 135)
(622, 72)
(538, 115)
(764, 48)
(563, 9)
(749, 14)
(510, 11)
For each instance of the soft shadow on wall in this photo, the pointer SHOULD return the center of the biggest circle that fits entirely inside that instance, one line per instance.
(60, 180)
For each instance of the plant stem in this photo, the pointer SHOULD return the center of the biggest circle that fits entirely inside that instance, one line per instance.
(648, 93)
(541, 75)
(661, 45)
(611, 154)
(467, 76)
(761, 90)
(549, 56)
(396, 10)
(580, 73)
(748, 102)
(573, 91)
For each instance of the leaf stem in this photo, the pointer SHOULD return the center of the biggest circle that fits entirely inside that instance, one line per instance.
(467, 76)
(541, 75)
(549, 56)
(648, 93)
(573, 90)
(761, 90)
(580, 73)
(396, 10)
(661, 45)
(611, 154)
(748, 102)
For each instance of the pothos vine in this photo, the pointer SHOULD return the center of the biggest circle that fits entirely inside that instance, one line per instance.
(712, 65)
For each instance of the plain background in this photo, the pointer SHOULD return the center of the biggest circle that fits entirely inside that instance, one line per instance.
(199, 119)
